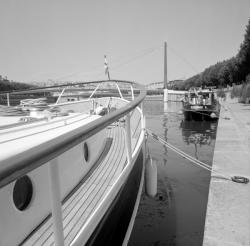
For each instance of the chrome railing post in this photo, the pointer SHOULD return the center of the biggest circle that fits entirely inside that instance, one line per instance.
(93, 104)
(128, 138)
(132, 92)
(56, 202)
(94, 91)
(8, 99)
(143, 120)
(118, 88)
(59, 97)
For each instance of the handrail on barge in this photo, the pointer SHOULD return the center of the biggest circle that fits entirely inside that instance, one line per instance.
(17, 166)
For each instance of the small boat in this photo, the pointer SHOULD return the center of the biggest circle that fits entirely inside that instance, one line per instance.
(71, 171)
(200, 104)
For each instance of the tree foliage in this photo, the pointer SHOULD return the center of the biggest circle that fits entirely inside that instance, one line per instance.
(6, 85)
(228, 72)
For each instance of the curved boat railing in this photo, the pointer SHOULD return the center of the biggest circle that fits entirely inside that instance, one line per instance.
(17, 166)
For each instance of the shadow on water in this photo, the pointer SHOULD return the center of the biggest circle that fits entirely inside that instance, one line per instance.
(176, 215)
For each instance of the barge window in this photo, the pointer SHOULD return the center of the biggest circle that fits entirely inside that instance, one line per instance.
(22, 193)
(86, 151)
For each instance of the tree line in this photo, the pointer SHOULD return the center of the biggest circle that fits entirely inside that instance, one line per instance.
(7, 85)
(235, 70)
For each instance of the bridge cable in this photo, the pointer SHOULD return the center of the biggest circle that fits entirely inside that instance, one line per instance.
(184, 59)
(98, 69)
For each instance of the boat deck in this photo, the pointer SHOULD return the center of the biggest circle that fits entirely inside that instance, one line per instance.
(85, 201)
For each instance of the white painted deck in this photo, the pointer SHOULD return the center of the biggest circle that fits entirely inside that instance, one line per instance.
(84, 202)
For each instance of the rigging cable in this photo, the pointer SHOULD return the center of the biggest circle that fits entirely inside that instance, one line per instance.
(98, 70)
(138, 56)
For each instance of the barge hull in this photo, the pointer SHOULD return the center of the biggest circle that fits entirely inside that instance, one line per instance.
(113, 226)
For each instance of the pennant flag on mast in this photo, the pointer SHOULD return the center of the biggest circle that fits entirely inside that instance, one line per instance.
(106, 68)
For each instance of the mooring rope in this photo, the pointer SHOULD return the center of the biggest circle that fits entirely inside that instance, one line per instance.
(237, 179)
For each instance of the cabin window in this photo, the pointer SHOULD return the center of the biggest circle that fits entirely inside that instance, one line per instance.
(86, 151)
(22, 193)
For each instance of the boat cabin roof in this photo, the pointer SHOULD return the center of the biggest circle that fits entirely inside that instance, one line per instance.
(194, 92)
(30, 134)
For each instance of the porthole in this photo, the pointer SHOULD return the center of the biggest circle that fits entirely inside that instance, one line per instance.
(85, 151)
(22, 193)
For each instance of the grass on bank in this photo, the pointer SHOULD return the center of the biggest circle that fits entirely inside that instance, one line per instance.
(242, 92)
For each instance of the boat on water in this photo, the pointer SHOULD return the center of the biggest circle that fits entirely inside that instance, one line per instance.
(71, 170)
(200, 104)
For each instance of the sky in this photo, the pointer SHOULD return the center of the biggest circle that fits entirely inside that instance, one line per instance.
(66, 40)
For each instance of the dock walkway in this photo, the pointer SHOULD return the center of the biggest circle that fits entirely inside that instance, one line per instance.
(228, 209)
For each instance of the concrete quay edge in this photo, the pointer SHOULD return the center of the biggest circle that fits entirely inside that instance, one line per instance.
(228, 209)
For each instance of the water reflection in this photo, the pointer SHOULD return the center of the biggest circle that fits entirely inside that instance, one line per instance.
(172, 107)
(165, 123)
(198, 133)
(176, 215)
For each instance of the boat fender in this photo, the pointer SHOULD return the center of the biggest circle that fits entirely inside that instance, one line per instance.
(213, 115)
(150, 177)
(99, 110)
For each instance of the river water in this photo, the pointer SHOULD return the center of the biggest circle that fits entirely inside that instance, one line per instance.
(176, 216)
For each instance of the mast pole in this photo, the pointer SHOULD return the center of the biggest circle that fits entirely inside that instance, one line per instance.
(165, 66)
(108, 75)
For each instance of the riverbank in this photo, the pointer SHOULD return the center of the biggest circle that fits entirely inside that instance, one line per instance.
(228, 209)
